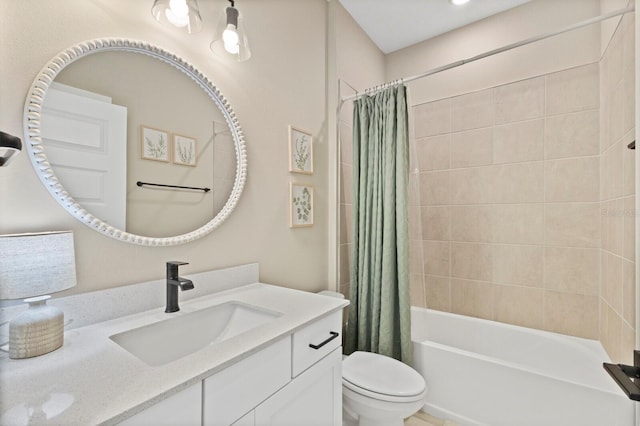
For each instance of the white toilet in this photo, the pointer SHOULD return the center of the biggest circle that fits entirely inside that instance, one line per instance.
(378, 390)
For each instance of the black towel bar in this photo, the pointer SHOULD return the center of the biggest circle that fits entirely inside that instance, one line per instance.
(139, 183)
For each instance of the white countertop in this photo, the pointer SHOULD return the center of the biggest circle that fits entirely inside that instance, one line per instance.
(92, 380)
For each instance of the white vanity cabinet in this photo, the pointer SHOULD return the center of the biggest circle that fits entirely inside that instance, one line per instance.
(184, 408)
(312, 399)
(256, 392)
(296, 380)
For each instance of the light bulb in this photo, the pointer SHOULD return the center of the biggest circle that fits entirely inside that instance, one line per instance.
(230, 39)
(458, 2)
(178, 13)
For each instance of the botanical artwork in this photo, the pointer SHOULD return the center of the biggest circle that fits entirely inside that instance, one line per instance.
(154, 144)
(184, 150)
(300, 151)
(301, 205)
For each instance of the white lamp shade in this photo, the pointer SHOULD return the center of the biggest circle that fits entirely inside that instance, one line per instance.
(36, 264)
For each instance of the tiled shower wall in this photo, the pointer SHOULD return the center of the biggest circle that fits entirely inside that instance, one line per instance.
(617, 194)
(510, 180)
(526, 194)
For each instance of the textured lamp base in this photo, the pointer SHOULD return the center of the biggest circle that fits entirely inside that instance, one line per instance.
(37, 331)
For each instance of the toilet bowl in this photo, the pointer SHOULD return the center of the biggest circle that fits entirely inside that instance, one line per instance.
(379, 391)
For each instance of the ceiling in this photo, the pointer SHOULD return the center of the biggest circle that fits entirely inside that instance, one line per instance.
(395, 24)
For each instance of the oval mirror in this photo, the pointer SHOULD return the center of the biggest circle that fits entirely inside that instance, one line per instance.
(135, 142)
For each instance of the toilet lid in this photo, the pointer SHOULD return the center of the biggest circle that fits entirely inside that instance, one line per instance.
(382, 375)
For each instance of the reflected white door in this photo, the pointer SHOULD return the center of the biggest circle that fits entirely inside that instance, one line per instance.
(85, 138)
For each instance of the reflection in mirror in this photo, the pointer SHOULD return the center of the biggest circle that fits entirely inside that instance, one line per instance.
(124, 112)
(145, 93)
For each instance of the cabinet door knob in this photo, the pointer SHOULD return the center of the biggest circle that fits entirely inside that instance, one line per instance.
(333, 334)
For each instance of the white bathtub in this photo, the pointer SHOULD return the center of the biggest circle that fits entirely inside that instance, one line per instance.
(481, 372)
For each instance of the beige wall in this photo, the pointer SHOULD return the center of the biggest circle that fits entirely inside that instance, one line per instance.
(282, 84)
(531, 19)
(360, 65)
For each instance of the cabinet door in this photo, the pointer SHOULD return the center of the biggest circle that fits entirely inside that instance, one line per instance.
(314, 398)
(183, 408)
(231, 393)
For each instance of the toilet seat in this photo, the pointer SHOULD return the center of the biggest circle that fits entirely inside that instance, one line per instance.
(381, 377)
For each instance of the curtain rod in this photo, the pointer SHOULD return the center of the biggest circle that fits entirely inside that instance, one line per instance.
(491, 52)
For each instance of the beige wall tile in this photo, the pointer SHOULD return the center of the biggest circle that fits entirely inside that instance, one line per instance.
(572, 270)
(346, 143)
(628, 344)
(517, 265)
(629, 292)
(433, 152)
(416, 258)
(471, 186)
(436, 258)
(616, 112)
(574, 179)
(416, 290)
(471, 298)
(573, 314)
(629, 166)
(434, 188)
(346, 224)
(346, 184)
(629, 232)
(614, 181)
(614, 226)
(433, 118)
(437, 293)
(435, 223)
(517, 142)
(518, 183)
(471, 261)
(615, 60)
(612, 280)
(518, 305)
(518, 223)
(523, 100)
(613, 339)
(471, 223)
(603, 319)
(572, 135)
(572, 224)
(472, 148)
(473, 110)
(345, 262)
(575, 89)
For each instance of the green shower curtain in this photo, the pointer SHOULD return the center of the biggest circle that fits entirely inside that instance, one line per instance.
(379, 314)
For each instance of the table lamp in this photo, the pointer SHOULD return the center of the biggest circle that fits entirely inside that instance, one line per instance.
(32, 266)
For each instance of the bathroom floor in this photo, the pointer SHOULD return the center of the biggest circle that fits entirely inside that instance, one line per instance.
(424, 419)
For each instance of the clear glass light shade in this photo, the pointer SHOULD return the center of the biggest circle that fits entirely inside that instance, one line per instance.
(230, 39)
(183, 14)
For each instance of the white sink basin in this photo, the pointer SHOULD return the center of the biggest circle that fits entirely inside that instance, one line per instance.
(171, 339)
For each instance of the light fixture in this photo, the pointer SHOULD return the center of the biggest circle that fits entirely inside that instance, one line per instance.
(9, 146)
(459, 2)
(230, 39)
(32, 266)
(179, 13)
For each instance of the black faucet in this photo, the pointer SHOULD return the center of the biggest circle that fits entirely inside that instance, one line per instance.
(173, 282)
